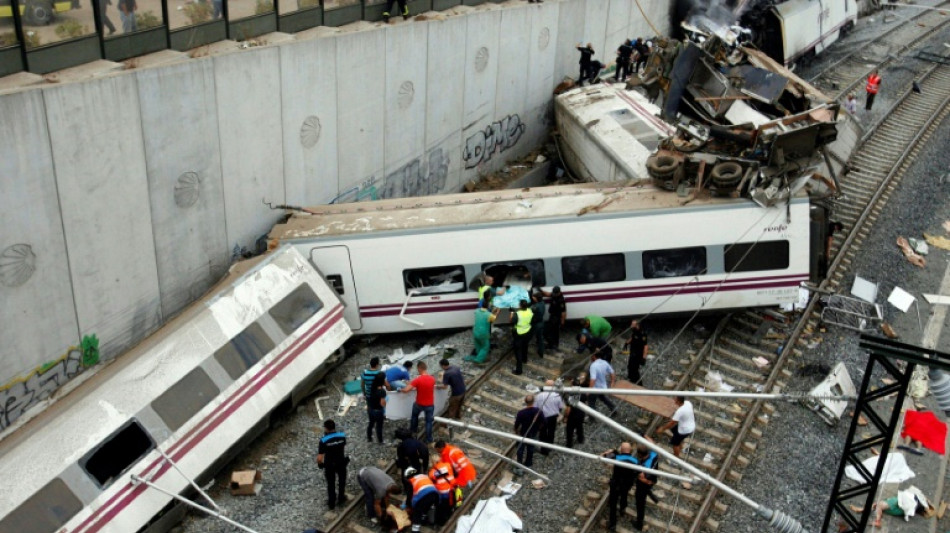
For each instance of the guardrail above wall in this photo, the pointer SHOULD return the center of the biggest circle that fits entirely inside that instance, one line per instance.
(43, 36)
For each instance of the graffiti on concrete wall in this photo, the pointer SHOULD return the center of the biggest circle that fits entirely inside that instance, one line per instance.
(422, 176)
(495, 138)
(26, 391)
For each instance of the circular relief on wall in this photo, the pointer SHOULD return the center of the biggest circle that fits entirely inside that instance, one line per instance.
(481, 59)
(407, 92)
(544, 38)
(187, 189)
(310, 131)
(17, 264)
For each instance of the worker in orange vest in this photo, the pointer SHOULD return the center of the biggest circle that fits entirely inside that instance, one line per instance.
(444, 480)
(874, 84)
(424, 496)
(464, 470)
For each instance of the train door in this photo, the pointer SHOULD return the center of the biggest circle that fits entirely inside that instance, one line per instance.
(334, 264)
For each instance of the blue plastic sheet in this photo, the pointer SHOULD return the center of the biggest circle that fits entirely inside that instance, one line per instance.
(512, 297)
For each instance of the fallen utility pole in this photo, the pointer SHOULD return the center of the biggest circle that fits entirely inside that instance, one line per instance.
(780, 521)
(788, 396)
(555, 447)
(507, 460)
(219, 515)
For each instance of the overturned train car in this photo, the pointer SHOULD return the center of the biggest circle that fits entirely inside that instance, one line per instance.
(176, 408)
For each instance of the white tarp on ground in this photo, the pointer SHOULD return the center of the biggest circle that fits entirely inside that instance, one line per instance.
(399, 404)
(895, 469)
(489, 516)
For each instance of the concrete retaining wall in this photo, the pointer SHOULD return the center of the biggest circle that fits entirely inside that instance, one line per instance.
(127, 195)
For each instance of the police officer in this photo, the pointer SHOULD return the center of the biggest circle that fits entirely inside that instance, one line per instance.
(637, 347)
(332, 459)
(522, 333)
(620, 482)
(424, 496)
(537, 319)
(646, 458)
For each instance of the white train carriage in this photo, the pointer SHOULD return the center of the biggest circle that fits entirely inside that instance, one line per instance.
(193, 392)
(409, 264)
(798, 30)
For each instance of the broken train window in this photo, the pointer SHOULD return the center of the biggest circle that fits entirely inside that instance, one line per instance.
(434, 280)
(674, 262)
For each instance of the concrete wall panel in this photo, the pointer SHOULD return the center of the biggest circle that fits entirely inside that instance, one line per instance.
(184, 179)
(482, 56)
(37, 314)
(570, 33)
(96, 133)
(444, 100)
(542, 53)
(618, 26)
(407, 171)
(361, 80)
(252, 160)
(595, 29)
(512, 89)
(309, 117)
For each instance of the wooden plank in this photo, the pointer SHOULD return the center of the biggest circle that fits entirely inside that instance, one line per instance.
(658, 405)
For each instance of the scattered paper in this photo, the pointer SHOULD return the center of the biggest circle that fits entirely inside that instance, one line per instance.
(760, 361)
(937, 299)
(901, 299)
(919, 246)
(864, 289)
(510, 489)
(937, 241)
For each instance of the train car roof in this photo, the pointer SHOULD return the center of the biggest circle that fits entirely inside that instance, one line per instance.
(464, 209)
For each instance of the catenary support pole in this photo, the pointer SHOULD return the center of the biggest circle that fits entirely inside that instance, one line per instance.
(777, 519)
(507, 460)
(555, 447)
(697, 394)
(190, 481)
(220, 516)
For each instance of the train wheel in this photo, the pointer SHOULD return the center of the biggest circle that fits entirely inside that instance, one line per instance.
(660, 166)
(726, 175)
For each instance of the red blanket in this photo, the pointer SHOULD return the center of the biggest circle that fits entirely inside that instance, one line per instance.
(927, 429)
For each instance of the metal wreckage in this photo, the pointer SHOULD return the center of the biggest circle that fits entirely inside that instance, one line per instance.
(730, 122)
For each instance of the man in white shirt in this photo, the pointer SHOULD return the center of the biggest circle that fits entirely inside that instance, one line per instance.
(551, 405)
(683, 424)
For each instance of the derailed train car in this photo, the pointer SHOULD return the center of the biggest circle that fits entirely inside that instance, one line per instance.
(796, 31)
(408, 264)
(176, 408)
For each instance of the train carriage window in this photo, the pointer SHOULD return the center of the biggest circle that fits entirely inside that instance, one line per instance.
(435, 280)
(506, 272)
(46, 511)
(296, 308)
(117, 453)
(244, 350)
(184, 399)
(585, 269)
(756, 256)
(674, 262)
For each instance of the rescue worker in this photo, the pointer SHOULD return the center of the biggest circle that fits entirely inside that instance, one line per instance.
(522, 332)
(537, 319)
(528, 423)
(444, 480)
(637, 346)
(410, 453)
(424, 496)
(403, 9)
(586, 341)
(464, 470)
(557, 316)
(587, 53)
(597, 326)
(378, 488)
(646, 458)
(574, 416)
(872, 87)
(621, 481)
(624, 53)
(332, 459)
(481, 333)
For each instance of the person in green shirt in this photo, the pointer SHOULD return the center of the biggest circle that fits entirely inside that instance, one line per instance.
(481, 333)
(597, 326)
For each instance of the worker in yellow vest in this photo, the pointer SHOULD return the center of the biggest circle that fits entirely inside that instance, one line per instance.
(522, 334)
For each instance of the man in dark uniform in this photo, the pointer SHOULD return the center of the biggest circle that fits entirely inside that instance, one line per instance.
(586, 53)
(537, 319)
(592, 344)
(624, 52)
(410, 453)
(332, 459)
(621, 481)
(637, 347)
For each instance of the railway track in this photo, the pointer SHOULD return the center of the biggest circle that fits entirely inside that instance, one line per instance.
(492, 400)
(849, 72)
(728, 431)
